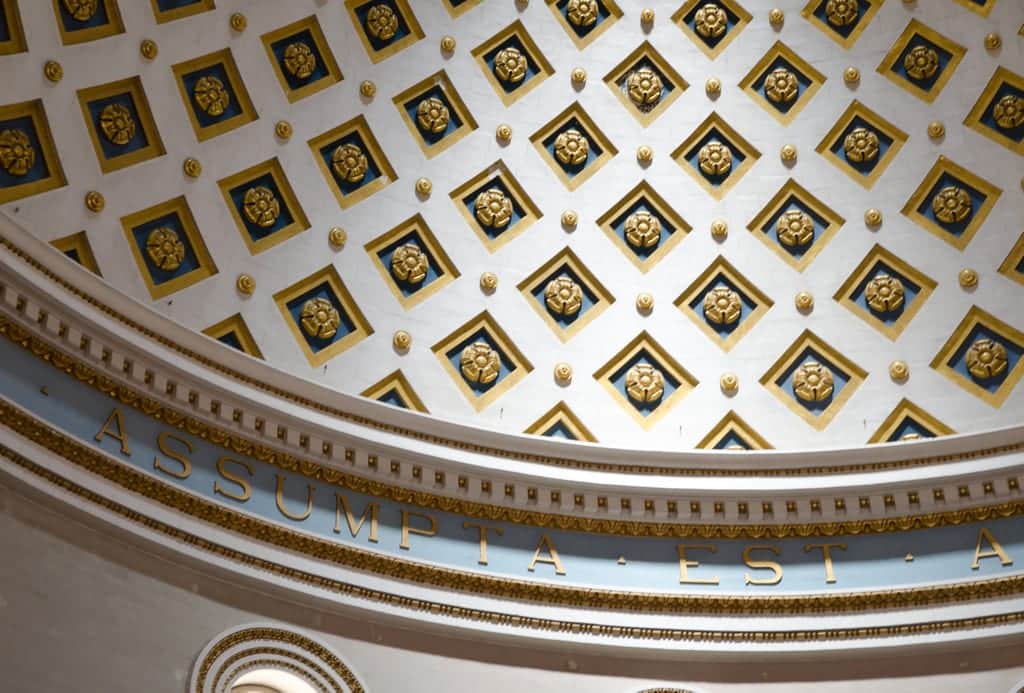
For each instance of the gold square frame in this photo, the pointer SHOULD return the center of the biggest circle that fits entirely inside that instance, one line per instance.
(414, 35)
(792, 189)
(237, 86)
(644, 342)
(561, 414)
(323, 49)
(179, 207)
(113, 27)
(943, 166)
(330, 276)
(916, 28)
(712, 52)
(500, 340)
(781, 50)
(132, 87)
(399, 384)
(79, 244)
(983, 9)
(415, 224)
(235, 324)
(646, 52)
(973, 120)
(1008, 268)
(290, 200)
(163, 16)
(592, 132)
(500, 171)
(854, 110)
(456, 12)
(733, 423)
(975, 317)
(581, 42)
(808, 13)
(566, 258)
(700, 286)
(733, 139)
(904, 410)
(41, 125)
(16, 43)
(533, 51)
(644, 191)
(879, 254)
(359, 126)
(809, 340)
(441, 81)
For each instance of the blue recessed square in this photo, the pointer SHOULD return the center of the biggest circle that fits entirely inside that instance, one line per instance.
(518, 213)
(746, 306)
(839, 381)
(21, 153)
(783, 102)
(118, 105)
(853, 12)
(169, 5)
(619, 380)
(305, 38)
(160, 250)
(999, 114)
(232, 340)
(714, 178)
(868, 162)
(587, 298)
(587, 18)
(255, 230)
(909, 428)
(927, 61)
(532, 68)
(798, 237)
(594, 150)
(666, 229)
(432, 135)
(881, 297)
(732, 440)
(433, 271)
(323, 292)
(711, 24)
(327, 152)
(394, 24)
(394, 398)
(505, 365)
(958, 204)
(559, 430)
(212, 80)
(81, 16)
(959, 361)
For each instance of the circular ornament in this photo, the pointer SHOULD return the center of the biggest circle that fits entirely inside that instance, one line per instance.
(367, 89)
(570, 218)
(563, 296)
(993, 41)
(884, 293)
(479, 363)
(722, 306)
(952, 204)
(804, 301)
(448, 44)
(788, 153)
(94, 201)
(571, 147)
(647, 16)
(813, 382)
(211, 96)
(729, 382)
(986, 358)
(936, 129)
(851, 75)
(921, 62)
(432, 115)
(319, 318)
(165, 249)
(644, 302)
(578, 76)
(781, 86)
(53, 71)
(245, 284)
(148, 49)
(968, 278)
(711, 21)
(504, 133)
(873, 217)
(117, 124)
(899, 370)
(563, 373)
(81, 10)
(644, 383)
(493, 208)
(715, 158)
(382, 22)
(488, 282)
(644, 154)
(642, 229)
(861, 145)
(409, 264)
(17, 155)
(423, 186)
(510, 65)
(238, 22)
(401, 340)
(582, 13)
(349, 163)
(713, 87)
(840, 13)
(337, 237)
(776, 17)
(192, 168)
(299, 60)
(644, 87)
(261, 206)
(283, 129)
(719, 229)
(1009, 112)
(795, 228)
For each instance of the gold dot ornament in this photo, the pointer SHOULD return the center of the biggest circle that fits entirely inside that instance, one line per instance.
(873, 217)
(238, 22)
(283, 129)
(480, 363)
(488, 282)
(401, 341)
(563, 373)
(578, 76)
(644, 383)
(899, 370)
(94, 200)
(367, 89)
(729, 383)
(17, 155)
(319, 318)
(211, 96)
(713, 86)
(448, 44)
(804, 302)
(851, 75)
(165, 248)
(148, 49)
(788, 153)
(993, 41)
(192, 167)
(299, 60)
(504, 133)
(968, 278)
(261, 206)
(337, 237)
(245, 284)
(644, 154)
(719, 229)
(53, 71)
(776, 17)
(986, 358)
(647, 16)
(813, 382)
(570, 218)
(424, 187)
(645, 302)
(936, 129)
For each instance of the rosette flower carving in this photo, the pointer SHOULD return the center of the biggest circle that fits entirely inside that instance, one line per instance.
(571, 147)
(921, 62)
(493, 208)
(643, 229)
(884, 293)
(840, 13)
(1009, 112)
(261, 206)
(211, 95)
(432, 115)
(582, 13)
(350, 163)
(722, 306)
(644, 87)
(81, 10)
(952, 204)
(117, 124)
(813, 382)
(781, 86)
(644, 383)
(986, 358)
(711, 21)
(17, 155)
(165, 249)
(795, 228)
(510, 65)
(480, 363)
(861, 145)
(715, 158)
(409, 264)
(319, 318)
(382, 22)
(299, 60)
(563, 296)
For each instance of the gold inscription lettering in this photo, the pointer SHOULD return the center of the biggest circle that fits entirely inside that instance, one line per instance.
(826, 552)
(684, 564)
(762, 565)
(246, 493)
(342, 505)
(279, 497)
(407, 530)
(179, 457)
(117, 420)
(483, 537)
(551, 558)
(995, 552)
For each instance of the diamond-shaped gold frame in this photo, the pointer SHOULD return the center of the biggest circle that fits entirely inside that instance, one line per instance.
(163, 16)
(975, 317)
(533, 51)
(916, 28)
(646, 52)
(561, 414)
(907, 409)
(483, 321)
(79, 244)
(941, 167)
(809, 340)
(414, 35)
(441, 81)
(312, 25)
(614, 14)
(15, 42)
(973, 120)
(235, 323)
(397, 382)
(781, 50)
(362, 128)
(733, 139)
(877, 122)
(574, 111)
(846, 42)
(733, 423)
(644, 191)
(644, 342)
(131, 87)
(418, 225)
(712, 52)
(500, 171)
(289, 199)
(1009, 266)
(461, 9)
(35, 111)
(792, 189)
(226, 60)
(566, 258)
(113, 26)
(982, 9)
(701, 285)
(860, 274)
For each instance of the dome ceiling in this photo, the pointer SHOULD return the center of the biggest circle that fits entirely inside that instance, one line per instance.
(716, 226)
